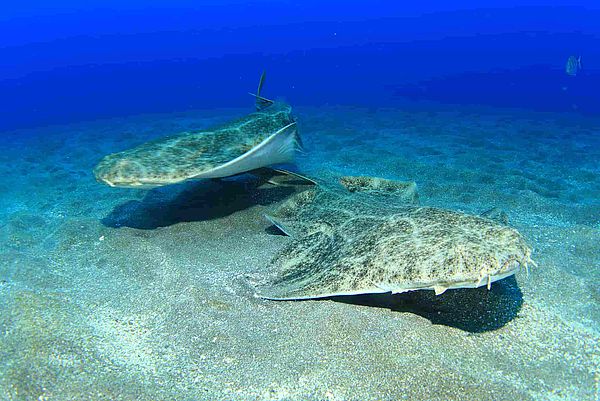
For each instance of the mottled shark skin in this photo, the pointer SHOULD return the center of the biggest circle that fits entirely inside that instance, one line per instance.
(268, 136)
(374, 241)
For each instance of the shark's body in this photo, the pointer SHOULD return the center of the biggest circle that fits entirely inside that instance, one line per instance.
(264, 138)
(372, 237)
(260, 139)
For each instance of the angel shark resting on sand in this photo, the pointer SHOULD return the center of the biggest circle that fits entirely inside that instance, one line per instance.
(261, 139)
(369, 235)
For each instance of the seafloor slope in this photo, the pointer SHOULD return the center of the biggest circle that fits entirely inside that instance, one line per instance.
(115, 294)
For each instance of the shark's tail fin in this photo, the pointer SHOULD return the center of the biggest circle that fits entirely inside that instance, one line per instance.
(261, 102)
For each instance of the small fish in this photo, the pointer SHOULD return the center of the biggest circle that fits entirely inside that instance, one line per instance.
(573, 65)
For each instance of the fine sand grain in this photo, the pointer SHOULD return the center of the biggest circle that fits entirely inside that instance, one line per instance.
(120, 294)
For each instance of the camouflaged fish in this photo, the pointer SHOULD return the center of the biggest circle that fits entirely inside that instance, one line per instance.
(573, 65)
(369, 235)
(264, 138)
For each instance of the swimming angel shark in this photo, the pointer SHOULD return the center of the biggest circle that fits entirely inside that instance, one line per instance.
(369, 235)
(261, 139)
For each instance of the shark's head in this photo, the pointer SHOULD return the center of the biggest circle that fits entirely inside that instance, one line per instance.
(117, 170)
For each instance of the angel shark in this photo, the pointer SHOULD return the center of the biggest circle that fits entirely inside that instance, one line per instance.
(261, 139)
(369, 235)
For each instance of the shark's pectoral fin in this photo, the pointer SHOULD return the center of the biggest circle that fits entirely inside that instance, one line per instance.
(277, 176)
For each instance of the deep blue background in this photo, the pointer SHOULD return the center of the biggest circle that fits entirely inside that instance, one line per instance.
(62, 61)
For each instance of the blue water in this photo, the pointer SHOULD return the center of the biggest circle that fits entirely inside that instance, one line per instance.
(130, 294)
(69, 62)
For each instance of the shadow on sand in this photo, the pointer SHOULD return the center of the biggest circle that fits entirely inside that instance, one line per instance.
(196, 201)
(473, 310)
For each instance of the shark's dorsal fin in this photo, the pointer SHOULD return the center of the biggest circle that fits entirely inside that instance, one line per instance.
(261, 102)
(261, 82)
(496, 214)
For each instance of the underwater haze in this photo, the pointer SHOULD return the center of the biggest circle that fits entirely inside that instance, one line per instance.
(64, 61)
(417, 184)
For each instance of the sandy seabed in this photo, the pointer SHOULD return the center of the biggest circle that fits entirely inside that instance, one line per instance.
(122, 294)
